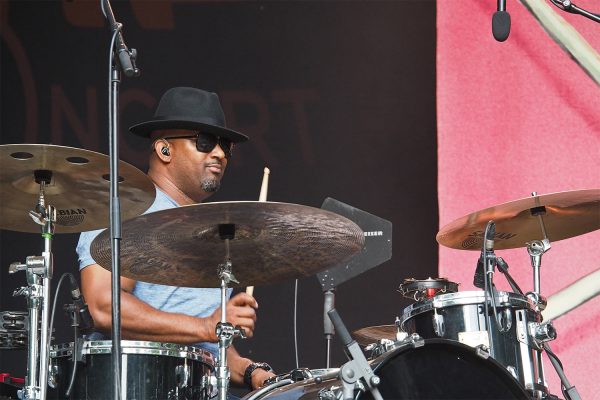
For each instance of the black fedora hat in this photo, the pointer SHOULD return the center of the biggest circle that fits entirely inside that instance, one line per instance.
(189, 108)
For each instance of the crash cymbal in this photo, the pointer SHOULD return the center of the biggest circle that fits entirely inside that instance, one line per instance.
(272, 242)
(373, 334)
(565, 214)
(79, 187)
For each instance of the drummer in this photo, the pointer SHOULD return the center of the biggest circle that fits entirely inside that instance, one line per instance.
(190, 150)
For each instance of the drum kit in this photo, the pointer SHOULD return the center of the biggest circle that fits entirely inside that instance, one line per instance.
(490, 337)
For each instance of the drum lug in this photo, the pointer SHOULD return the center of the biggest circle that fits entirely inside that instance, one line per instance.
(438, 323)
(182, 376)
(415, 340)
(505, 320)
(482, 351)
(209, 386)
(332, 393)
(53, 376)
(512, 370)
(381, 347)
(522, 329)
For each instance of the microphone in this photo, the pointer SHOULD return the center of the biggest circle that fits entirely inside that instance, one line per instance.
(501, 22)
(488, 248)
(82, 313)
(126, 57)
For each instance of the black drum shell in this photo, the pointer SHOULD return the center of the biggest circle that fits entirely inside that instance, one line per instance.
(436, 369)
(456, 316)
(173, 375)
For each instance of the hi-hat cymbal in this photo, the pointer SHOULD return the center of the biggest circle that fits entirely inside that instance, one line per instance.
(565, 214)
(79, 187)
(272, 242)
(373, 334)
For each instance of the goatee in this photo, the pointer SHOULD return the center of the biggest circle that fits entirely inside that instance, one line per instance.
(210, 185)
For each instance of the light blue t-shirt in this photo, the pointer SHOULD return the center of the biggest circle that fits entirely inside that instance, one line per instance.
(197, 302)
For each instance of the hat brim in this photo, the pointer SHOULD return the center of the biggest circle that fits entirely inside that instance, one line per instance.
(144, 129)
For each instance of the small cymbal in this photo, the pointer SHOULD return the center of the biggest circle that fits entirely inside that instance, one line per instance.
(273, 242)
(373, 334)
(565, 215)
(79, 187)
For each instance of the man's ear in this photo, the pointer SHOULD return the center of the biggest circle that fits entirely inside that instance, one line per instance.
(162, 150)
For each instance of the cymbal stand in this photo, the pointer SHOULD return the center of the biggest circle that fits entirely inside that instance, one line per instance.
(538, 332)
(39, 270)
(542, 333)
(225, 331)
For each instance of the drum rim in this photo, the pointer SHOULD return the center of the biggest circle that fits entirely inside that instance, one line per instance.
(91, 347)
(465, 298)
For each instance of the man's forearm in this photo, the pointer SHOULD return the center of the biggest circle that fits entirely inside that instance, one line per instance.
(141, 321)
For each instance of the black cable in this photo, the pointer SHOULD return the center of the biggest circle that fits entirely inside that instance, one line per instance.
(51, 328)
(554, 359)
(75, 353)
(503, 267)
(60, 281)
(501, 329)
(551, 354)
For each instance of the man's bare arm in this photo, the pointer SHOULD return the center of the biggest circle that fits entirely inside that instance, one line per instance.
(141, 321)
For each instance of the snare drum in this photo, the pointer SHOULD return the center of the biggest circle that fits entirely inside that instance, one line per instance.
(150, 371)
(429, 369)
(461, 317)
(13, 329)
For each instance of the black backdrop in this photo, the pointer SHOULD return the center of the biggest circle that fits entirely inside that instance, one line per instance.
(337, 97)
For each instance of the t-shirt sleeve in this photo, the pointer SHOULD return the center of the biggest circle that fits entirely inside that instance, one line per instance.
(83, 248)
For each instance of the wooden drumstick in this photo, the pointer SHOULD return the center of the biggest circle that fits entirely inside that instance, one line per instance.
(262, 197)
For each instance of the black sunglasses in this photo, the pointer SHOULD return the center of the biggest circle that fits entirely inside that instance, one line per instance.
(205, 142)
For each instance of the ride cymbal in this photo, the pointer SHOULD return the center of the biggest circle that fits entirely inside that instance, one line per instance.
(79, 187)
(565, 214)
(272, 242)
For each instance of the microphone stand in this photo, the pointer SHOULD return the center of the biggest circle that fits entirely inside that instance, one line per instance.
(328, 328)
(357, 368)
(568, 6)
(124, 61)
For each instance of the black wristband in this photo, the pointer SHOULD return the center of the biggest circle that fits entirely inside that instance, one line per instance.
(250, 369)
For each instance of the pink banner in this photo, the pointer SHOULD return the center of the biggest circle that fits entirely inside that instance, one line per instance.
(513, 118)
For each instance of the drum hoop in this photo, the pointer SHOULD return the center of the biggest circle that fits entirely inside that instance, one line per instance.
(137, 347)
(503, 299)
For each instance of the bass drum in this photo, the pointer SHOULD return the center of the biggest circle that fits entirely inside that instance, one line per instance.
(433, 369)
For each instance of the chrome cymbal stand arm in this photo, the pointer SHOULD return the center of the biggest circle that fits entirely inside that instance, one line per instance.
(537, 248)
(39, 272)
(539, 334)
(225, 331)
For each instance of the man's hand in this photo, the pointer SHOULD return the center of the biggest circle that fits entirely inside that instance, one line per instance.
(259, 376)
(241, 310)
